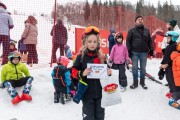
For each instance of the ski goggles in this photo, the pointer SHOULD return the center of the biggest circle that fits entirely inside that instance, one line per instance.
(117, 37)
(91, 29)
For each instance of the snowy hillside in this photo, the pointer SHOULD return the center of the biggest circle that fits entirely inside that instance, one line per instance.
(138, 104)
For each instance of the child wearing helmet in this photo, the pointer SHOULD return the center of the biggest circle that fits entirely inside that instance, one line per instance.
(175, 57)
(89, 90)
(119, 56)
(61, 80)
(13, 46)
(16, 74)
(166, 63)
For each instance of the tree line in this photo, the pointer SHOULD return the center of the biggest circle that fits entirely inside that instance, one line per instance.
(116, 14)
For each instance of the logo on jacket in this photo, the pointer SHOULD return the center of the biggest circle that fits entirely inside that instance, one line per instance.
(110, 88)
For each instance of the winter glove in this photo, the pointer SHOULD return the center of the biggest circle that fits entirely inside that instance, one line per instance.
(163, 51)
(161, 74)
(82, 87)
(110, 62)
(127, 64)
(130, 53)
(2, 86)
(151, 53)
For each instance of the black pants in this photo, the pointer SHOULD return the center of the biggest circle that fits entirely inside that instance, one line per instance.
(173, 88)
(54, 49)
(32, 54)
(170, 78)
(18, 83)
(122, 73)
(6, 50)
(92, 109)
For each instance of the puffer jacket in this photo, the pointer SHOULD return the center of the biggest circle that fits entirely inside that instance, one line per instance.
(30, 34)
(14, 72)
(60, 34)
(6, 22)
(139, 40)
(175, 57)
(94, 87)
(119, 54)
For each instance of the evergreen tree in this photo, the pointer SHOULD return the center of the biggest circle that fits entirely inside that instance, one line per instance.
(115, 3)
(159, 10)
(110, 3)
(86, 11)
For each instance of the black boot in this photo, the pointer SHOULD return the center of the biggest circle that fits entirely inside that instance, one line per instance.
(134, 85)
(62, 98)
(143, 84)
(56, 97)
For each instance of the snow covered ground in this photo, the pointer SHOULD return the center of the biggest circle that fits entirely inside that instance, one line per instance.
(138, 104)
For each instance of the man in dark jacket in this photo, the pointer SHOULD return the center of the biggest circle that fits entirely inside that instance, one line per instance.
(60, 36)
(111, 40)
(139, 46)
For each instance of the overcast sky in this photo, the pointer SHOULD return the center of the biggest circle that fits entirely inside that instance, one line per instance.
(46, 6)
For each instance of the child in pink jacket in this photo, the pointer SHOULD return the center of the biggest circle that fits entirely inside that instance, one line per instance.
(119, 56)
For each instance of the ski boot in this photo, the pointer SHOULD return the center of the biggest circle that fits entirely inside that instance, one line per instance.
(16, 99)
(26, 97)
(173, 103)
(56, 97)
(68, 97)
(62, 98)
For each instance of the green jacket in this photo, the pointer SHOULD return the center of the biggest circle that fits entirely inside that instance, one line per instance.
(14, 72)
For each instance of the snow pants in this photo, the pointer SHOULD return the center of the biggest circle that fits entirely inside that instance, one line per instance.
(6, 50)
(170, 79)
(92, 109)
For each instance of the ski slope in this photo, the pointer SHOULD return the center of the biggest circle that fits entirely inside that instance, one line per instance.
(138, 104)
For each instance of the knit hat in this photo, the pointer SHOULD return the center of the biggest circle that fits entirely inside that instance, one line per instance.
(119, 34)
(112, 30)
(172, 23)
(3, 5)
(139, 16)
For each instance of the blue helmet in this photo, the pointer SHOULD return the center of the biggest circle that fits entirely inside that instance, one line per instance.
(173, 34)
(13, 55)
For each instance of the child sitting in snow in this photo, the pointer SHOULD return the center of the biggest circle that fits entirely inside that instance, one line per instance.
(12, 76)
(61, 80)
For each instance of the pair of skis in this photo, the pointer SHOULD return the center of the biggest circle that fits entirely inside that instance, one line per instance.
(150, 77)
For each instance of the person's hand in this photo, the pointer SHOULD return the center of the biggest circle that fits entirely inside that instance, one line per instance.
(109, 71)
(151, 53)
(86, 72)
(109, 63)
(161, 74)
(164, 66)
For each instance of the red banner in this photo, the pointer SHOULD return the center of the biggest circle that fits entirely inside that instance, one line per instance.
(159, 40)
(104, 39)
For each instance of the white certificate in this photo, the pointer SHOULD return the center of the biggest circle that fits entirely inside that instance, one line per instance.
(97, 71)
